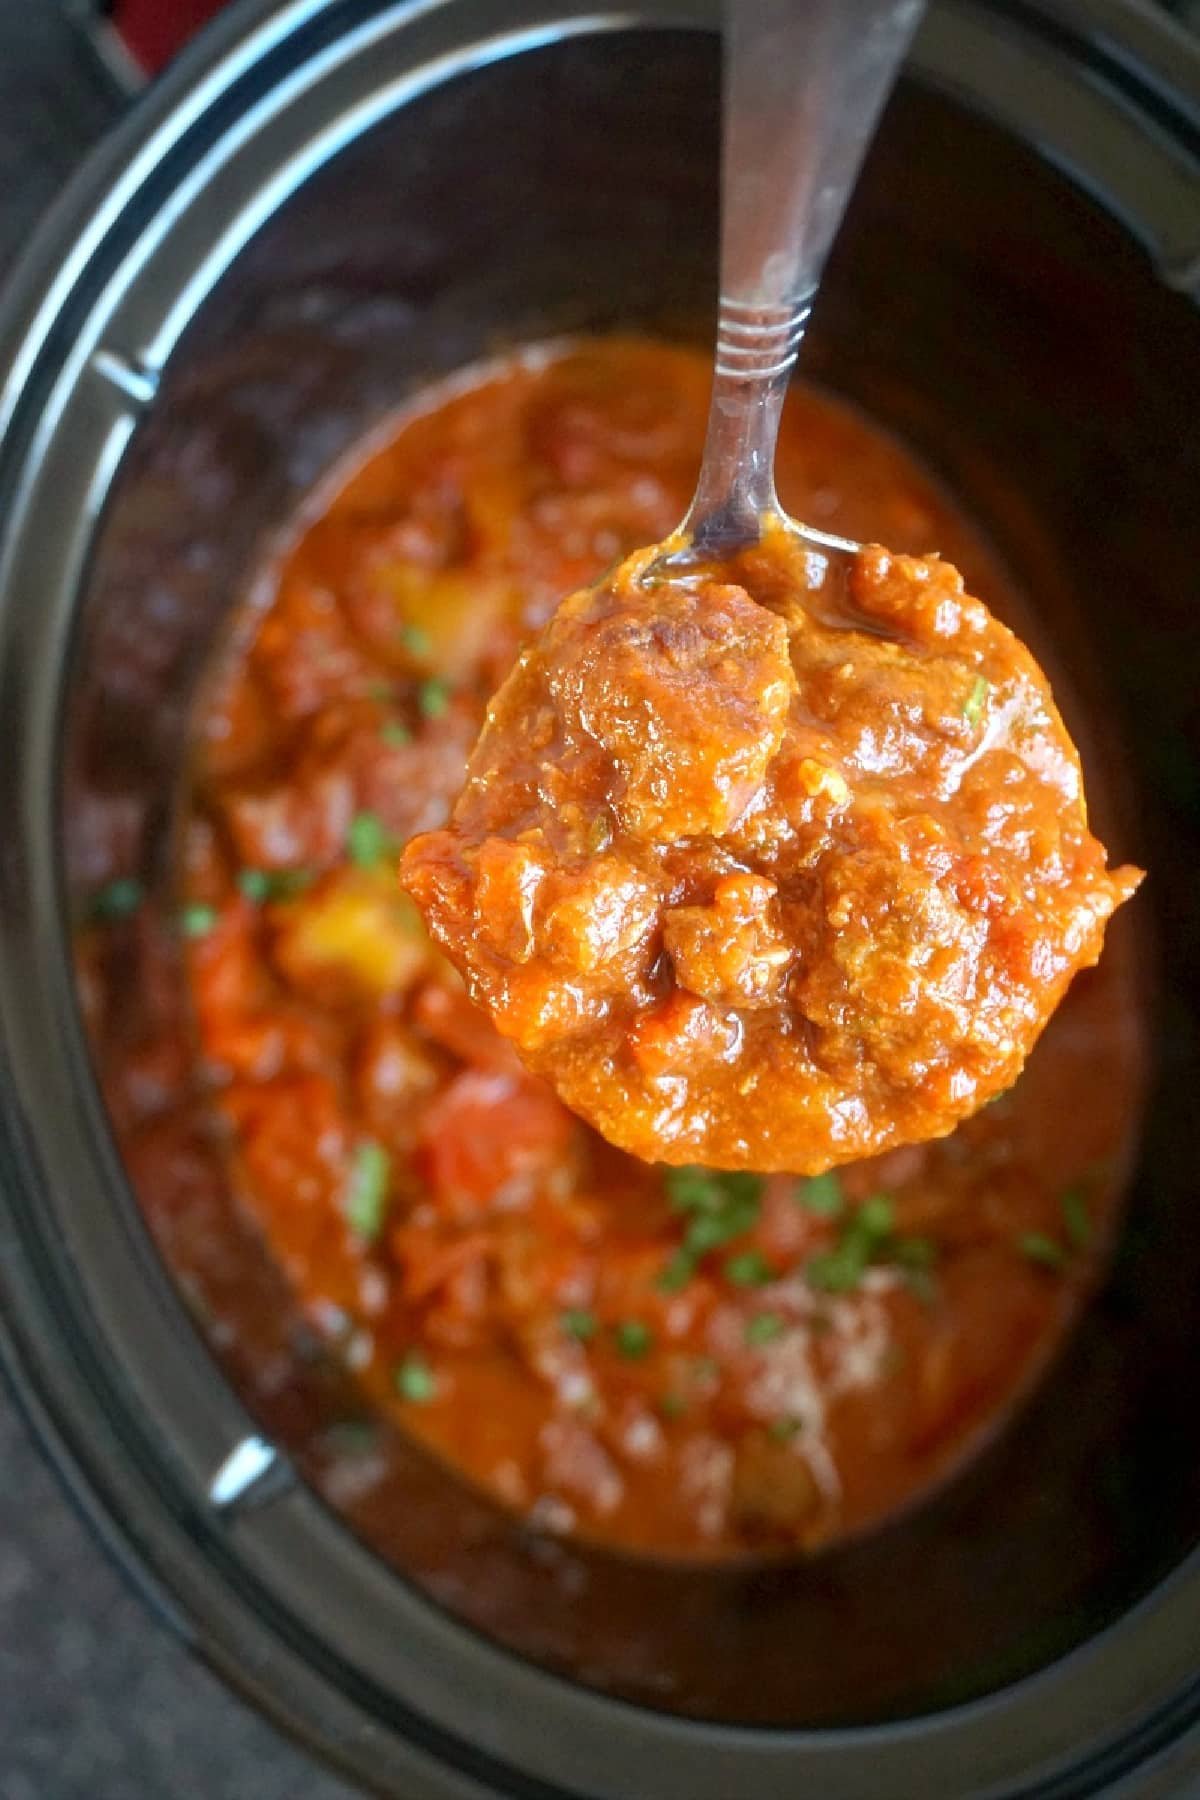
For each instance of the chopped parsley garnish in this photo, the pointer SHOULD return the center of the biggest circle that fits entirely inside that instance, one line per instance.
(1076, 1219)
(580, 1324)
(633, 1338)
(1039, 1247)
(600, 833)
(913, 1253)
(916, 1257)
(395, 735)
(690, 1189)
(822, 1195)
(837, 1271)
(368, 842)
(672, 1406)
(764, 1328)
(196, 920)
(415, 1379)
(367, 1189)
(433, 697)
(416, 640)
(120, 899)
(708, 1231)
(706, 1368)
(976, 700)
(676, 1272)
(782, 1430)
(876, 1217)
(719, 1208)
(261, 885)
(867, 1237)
(749, 1269)
(710, 1190)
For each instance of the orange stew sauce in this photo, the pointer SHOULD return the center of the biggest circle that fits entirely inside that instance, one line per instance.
(674, 1361)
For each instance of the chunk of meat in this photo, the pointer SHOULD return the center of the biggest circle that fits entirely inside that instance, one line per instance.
(537, 924)
(635, 678)
(731, 950)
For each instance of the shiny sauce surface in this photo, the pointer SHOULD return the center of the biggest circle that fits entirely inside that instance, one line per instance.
(673, 1361)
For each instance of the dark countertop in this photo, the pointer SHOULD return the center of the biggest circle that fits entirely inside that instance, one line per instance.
(97, 1700)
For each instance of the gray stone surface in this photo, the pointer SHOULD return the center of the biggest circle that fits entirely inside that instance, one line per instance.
(97, 1701)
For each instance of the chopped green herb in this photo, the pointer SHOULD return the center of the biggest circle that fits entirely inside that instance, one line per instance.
(367, 1190)
(690, 1190)
(196, 920)
(261, 885)
(433, 697)
(633, 1338)
(822, 1195)
(1038, 1247)
(916, 1258)
(600, 833)
(706, 1368)
(740, 1185)
(764, 1328)
(415, 1379)
(876, 1217)
(711, 1190)
(580, 1324)
(975, 701)
(416, 640)
(782, 1430)
(672, 1406)
(749, 1269)
(368, 841)
(837, 1271)
(913, 1253)
(119, 900)
(710, 1230)
(395, 735)
(676, 1272)
(1075, 1218)
(382, 691)
(867, 1236)
(720, 1207)
(255, 884)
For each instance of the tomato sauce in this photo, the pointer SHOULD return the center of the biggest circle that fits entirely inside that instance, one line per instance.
(675, 1361)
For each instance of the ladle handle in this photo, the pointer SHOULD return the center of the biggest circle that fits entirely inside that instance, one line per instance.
(805, 81)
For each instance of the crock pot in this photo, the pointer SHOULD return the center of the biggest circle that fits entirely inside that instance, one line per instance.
(322, 205)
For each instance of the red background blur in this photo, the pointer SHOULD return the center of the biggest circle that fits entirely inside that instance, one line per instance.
(154, 29)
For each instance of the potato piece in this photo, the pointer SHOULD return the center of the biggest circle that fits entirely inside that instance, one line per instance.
(356, 932)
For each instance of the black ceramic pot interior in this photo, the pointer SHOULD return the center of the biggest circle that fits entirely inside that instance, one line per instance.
(1005, 326)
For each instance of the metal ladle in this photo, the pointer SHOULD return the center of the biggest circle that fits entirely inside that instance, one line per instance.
(805, 82)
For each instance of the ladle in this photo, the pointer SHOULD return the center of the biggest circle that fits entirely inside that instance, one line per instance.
(805, 81)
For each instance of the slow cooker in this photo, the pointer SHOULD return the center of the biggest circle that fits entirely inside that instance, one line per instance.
(322, 205)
